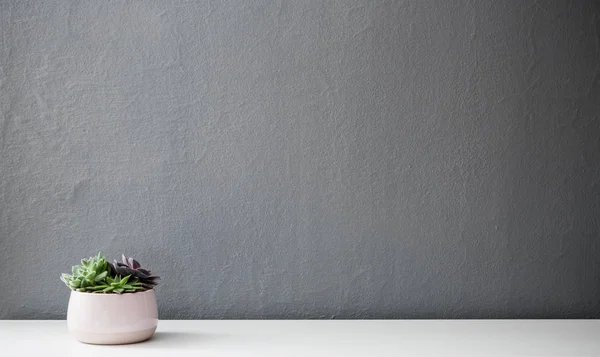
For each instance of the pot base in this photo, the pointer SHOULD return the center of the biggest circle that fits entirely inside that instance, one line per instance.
(113, 338)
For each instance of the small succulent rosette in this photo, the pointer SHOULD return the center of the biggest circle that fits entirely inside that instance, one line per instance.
(98, 275)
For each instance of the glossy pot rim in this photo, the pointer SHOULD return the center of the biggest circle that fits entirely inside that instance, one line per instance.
(112, 295)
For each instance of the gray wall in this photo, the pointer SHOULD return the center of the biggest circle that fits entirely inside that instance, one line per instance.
(305, 159)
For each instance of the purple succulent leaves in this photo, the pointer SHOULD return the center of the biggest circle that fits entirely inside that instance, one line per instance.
(132, 263)
(130, 266)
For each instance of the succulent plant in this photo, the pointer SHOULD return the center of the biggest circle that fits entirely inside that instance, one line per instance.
(97, 275)
(119, 285)
(130, 266)
(91, 273)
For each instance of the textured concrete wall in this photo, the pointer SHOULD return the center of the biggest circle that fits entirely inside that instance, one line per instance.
(305, 159)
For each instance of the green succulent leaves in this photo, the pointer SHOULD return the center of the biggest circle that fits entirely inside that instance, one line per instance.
(118, 286)
(91, 272)
(95, 275)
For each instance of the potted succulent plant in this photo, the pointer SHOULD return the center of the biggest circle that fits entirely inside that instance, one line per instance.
(111, 303)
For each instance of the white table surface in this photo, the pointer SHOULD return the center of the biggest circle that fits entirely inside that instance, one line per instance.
(321, 338)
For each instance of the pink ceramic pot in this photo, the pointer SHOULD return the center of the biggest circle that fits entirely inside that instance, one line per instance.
(111, 319)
